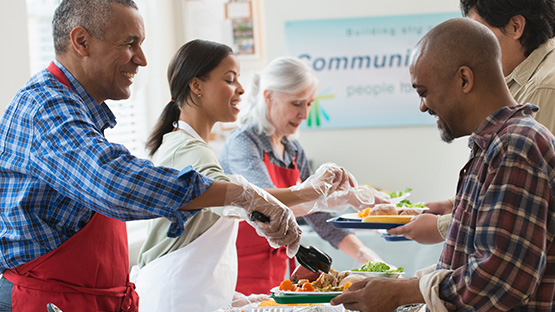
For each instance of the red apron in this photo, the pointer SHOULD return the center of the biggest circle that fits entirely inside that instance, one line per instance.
(88, 272)
(262, 267)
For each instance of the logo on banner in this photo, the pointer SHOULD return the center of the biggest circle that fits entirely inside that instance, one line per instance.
(363, 68)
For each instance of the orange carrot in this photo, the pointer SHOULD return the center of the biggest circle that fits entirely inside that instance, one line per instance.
(287, 285)
(308, 287)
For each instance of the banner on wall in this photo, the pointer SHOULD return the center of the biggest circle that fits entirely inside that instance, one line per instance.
(363, 68)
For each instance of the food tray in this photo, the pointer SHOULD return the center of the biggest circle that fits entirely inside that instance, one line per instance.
(262, 309)
(394, 238)
(309, 298)
(293, 297)
(340, 222)
(311, 308)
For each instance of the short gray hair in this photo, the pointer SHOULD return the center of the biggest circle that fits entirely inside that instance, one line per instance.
(284, 74)
(93, 15)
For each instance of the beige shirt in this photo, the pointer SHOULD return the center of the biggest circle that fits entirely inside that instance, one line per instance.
(532, 81)
(178, 150)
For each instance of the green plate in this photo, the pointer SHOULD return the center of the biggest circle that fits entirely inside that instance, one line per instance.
(303, 298)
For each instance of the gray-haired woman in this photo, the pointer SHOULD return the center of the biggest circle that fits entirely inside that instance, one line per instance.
(265, 152)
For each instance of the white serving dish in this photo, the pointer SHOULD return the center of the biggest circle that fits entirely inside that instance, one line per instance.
(378, 274)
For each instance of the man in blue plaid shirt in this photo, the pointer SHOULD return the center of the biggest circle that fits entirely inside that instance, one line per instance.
(65, 190)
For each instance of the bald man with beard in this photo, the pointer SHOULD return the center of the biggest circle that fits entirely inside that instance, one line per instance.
(525, 30)
(499, 253)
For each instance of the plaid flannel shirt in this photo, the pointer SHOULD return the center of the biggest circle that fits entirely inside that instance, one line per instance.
(500, 241)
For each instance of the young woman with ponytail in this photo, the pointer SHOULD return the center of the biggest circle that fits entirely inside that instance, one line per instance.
(197, 271)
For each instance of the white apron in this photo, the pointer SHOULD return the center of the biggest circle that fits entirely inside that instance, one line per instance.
(198, 277)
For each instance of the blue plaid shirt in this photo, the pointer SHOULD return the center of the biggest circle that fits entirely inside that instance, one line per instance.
(57, 169)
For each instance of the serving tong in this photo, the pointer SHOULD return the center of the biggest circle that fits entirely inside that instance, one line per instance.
(310, 257)
(52, 308)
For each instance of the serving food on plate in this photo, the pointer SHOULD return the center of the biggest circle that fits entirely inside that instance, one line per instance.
(303, 280)
(382, 216)
(387, 213)
(306, 281)
(308, 287)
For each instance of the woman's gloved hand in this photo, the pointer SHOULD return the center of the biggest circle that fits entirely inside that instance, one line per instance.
(379, 197)
(240, 300)
(366, 254)
(280, 227)
(359, 197)
(327, 179)
(333, 188)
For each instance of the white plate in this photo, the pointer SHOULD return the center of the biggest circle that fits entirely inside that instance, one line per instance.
(261, 309)
(276, 291)
(352, 216)
(420, 210)
(377, 274)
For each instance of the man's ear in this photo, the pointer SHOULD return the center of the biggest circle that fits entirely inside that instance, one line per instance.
(516, 26)
(466, 79)
(80, 40)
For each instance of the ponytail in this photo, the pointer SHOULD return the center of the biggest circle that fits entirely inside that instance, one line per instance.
(165, 124)
(195, 59)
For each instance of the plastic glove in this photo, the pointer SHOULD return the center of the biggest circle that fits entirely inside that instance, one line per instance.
(281, 229)
(332, 188)
(240, 300)
(366, 254)
(379, 197)
(328, 178)
(359, 197)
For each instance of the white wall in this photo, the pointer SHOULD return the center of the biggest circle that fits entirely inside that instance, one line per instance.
(390, 158)
(14, 54)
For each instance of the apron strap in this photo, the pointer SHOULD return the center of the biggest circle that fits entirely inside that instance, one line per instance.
(130, 297)
(53, 285)
(54, 70)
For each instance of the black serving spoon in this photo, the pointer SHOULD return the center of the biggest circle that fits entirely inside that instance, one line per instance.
(311, 257)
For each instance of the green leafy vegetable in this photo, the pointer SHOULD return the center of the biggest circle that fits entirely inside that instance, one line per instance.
(370, 266)
(408, 204)
(399, 193)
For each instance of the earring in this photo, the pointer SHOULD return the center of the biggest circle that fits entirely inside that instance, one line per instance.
(199, 95)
